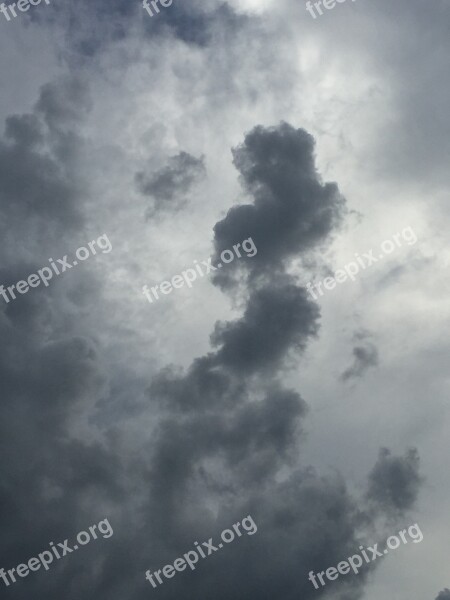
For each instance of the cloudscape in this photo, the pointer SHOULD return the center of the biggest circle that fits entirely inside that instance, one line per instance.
(223, 299)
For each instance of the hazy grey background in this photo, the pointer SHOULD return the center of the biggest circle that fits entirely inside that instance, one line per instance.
(174, 427)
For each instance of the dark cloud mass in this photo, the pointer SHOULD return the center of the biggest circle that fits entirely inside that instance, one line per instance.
(225, 443)
(232, 438)
(91, 27)
(38, 179)
(293, 211)
(195, 22)
(94, 427)
(276, 319)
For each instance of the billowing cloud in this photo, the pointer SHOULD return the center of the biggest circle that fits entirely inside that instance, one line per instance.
(292, 212)
(224, 440)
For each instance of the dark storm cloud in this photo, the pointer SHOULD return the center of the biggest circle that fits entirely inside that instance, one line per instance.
(248, 444)
(38, 181)
(204, 386)
(224, 443)
(48, 371)
(278, 316)
(444, 595)
(365, 355)
(293, 211)
(194, 23)
(395, 481)
(91, 26)
(276, 319)
(48, 478)
(224, 439)
(32, 181)
(170, 185)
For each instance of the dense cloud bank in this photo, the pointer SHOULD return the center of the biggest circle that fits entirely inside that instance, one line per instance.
(169, 454)
(227, 434)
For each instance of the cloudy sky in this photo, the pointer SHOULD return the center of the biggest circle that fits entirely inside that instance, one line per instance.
(325, 418)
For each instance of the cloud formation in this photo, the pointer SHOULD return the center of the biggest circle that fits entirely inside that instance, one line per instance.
(169, 186)
(365, 355)
(394, 481)
(225, 440)
(224, 436)
(292, 210)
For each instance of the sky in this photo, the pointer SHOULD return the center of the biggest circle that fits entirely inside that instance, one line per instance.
(299, 389)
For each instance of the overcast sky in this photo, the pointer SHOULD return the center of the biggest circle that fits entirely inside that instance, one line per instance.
(325, 418)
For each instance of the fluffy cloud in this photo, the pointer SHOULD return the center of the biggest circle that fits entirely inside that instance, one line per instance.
(292, 212)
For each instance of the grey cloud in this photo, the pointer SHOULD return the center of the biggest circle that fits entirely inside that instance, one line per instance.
(204, 385)
(226, 436)
(394, 481)
(365, 355)
(444, 595)
(225, 442)
(24, 130)
(49, 370)
(195, 22)
(64, 103)
(39, 181)
(293, 211)
(170, 185)
(276, 319)
(90, 27)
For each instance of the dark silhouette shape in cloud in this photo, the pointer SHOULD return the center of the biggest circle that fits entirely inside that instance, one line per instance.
(293, 211)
